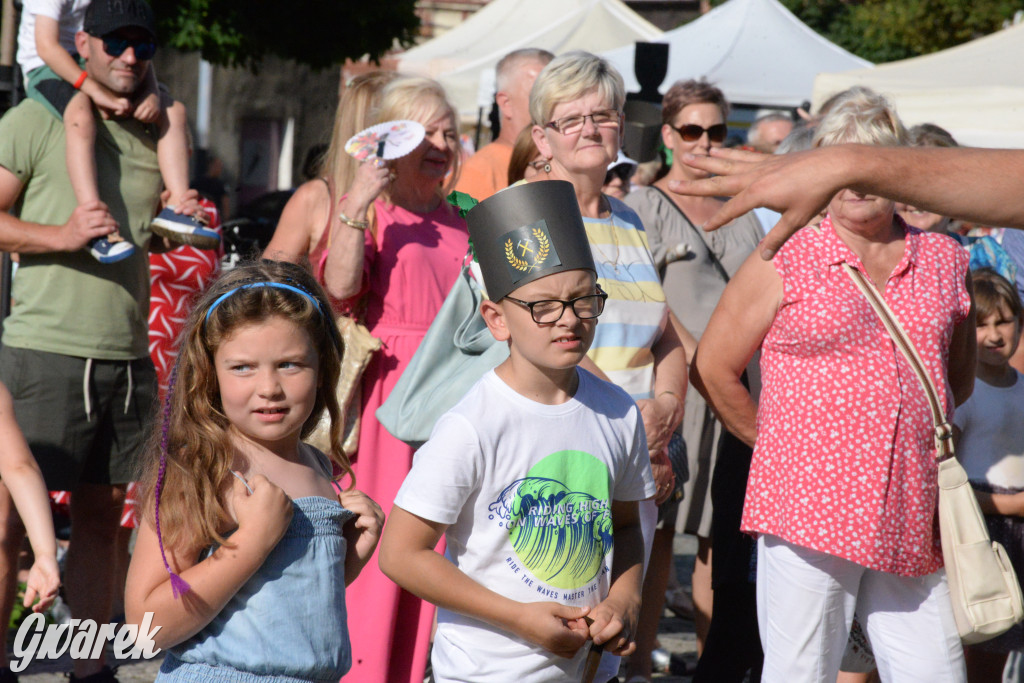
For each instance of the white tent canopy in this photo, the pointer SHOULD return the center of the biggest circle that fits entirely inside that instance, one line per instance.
(974, 90)
(464, 58)
(756, 51)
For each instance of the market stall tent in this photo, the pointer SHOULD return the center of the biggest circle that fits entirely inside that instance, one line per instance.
(756, 51)
(464, 58)
(974, 90)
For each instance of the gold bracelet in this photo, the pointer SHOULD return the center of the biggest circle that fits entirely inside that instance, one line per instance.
(358, 225)
(667, 392)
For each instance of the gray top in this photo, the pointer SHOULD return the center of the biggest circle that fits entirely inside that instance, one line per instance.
(690, 261)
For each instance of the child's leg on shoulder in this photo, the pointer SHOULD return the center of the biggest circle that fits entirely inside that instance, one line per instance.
(172, 148)
(80, 131)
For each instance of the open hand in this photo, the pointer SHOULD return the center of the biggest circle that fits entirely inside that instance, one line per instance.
(798, 185)
(559, 629)
(43, 582)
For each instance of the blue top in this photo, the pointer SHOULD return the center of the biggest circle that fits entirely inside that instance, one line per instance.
(288, 622)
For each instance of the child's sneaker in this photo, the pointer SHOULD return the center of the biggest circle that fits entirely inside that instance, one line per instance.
(178, 227)
(105, 251)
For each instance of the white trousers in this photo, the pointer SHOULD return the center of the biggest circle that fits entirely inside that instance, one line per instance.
(805, 605)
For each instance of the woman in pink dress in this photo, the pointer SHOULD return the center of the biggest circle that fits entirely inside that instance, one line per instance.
(842, 491)
(396, 248)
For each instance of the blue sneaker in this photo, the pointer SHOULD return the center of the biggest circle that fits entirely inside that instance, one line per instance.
(105, 251)
(184, 229)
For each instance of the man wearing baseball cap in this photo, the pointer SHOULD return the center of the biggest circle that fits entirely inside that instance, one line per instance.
(75, 349)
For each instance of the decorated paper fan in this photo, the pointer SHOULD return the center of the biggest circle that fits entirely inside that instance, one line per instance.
(387, 140)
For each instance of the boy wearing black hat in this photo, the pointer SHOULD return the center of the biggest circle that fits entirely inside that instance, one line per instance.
(534, 476)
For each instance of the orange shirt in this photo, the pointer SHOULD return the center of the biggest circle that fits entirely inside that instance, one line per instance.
(486, 172)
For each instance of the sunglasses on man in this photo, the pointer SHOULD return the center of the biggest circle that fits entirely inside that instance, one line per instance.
(115, 47)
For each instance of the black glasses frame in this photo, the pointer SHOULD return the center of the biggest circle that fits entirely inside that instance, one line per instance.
(691, 132)
(571, 303)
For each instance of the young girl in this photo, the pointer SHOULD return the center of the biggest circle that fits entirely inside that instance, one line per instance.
(244, 551)
(990, 432)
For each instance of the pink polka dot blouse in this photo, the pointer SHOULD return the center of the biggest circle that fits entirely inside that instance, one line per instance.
(844, 456)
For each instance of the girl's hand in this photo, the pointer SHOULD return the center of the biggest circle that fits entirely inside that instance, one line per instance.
(362, 532)
(559, 629)
(264, 514)
(372, 176)
(43, 582)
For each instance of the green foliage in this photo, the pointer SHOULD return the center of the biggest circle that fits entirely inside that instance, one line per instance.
(319, 33)
(886, 30)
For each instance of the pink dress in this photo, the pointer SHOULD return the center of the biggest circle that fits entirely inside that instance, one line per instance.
(408, 273)
(844, 460)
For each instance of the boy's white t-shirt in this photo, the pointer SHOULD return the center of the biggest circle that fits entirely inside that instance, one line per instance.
(69, 15)
(526, 490)
(991, 447)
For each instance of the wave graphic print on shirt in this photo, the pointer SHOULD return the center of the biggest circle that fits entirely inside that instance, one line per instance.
(559, 518)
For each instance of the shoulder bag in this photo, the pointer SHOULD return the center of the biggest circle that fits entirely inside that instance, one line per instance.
(456, 351)
(982, 584)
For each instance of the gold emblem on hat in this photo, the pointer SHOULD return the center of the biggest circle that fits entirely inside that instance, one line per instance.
(532, 253)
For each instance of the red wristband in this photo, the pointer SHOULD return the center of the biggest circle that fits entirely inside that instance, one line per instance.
(81, 79)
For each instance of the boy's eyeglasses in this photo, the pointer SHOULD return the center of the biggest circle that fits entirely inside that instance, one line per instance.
(548, 311)
(604, 118)
(115, 47)
(691, 132)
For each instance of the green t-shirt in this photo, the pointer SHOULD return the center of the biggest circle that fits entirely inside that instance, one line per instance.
(68, 302)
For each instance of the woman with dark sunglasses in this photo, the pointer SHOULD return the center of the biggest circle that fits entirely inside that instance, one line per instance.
(695, 267)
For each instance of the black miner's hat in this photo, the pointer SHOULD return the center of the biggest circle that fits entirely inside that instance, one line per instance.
(526, 232)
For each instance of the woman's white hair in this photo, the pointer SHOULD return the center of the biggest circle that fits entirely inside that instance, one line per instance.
(419, 99)
(860, 115)
(569, 77)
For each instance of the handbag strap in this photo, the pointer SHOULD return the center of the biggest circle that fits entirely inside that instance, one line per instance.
(711, 252)
(943, 430)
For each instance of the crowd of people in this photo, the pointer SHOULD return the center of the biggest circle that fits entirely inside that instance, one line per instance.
(661, 379)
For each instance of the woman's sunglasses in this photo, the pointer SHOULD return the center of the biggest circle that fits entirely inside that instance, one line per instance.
(115, 47)
(691, 132)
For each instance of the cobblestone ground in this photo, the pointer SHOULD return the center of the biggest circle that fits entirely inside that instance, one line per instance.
(676, 636)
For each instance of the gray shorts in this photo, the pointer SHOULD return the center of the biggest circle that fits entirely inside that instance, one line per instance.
(84, 419)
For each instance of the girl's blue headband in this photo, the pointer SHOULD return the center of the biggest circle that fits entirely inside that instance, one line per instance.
(277, 285)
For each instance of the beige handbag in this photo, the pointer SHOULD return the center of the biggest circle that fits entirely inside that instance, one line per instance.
(982, 584)
(358, 348)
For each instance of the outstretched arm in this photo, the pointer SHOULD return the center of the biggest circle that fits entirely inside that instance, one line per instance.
(982, 185)
(408, 558)
(21, 474)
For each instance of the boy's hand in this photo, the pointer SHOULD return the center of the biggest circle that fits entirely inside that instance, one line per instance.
(265, 513)
(366, 526)
(105, 99)
(147, 108)
(559, 629)
(614, 625)
(43, 582)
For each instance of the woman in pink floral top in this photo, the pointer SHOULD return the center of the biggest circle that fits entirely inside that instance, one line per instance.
(842, 490)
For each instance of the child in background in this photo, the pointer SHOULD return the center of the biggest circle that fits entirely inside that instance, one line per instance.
(245, 549)
(534, 476)
(989, 429)
(48, 57)
(19, 471)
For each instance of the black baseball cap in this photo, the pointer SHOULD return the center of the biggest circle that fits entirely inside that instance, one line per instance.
(106, 16)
